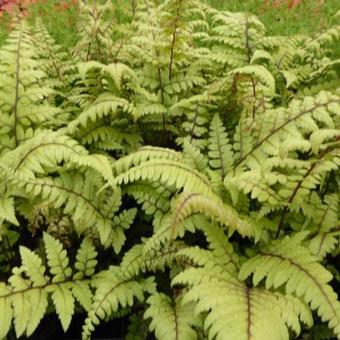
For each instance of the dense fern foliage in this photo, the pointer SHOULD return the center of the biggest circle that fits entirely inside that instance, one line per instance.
(180, 171)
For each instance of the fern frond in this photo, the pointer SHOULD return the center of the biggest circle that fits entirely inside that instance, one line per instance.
(57, 259)
(164, 234)
(265, 82)
(136, 260)
(237, 311)
(272, 148)
(73, 192)
(192, 203)
(24, 90)
(236, 36)
(170, 318)
(154, 200)
(167, 172)
(25, 299)
(144, 154)
(220, 152)
(106, 104)
(221, 247)
(46, 150)
(7, 209)
(193, 156)
(324, 243)
(58, 65)
(114, 290)
(94, 31)
(104, 137)
(304, 115)
(85, 260)
(120, 223)
(288, 262)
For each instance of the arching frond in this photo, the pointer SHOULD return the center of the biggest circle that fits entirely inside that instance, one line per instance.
(114, 290)
(287, 262)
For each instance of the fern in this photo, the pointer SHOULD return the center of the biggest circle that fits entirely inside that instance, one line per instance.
(242, 307)
(25, 298)
(299, 266)
(24, 91)
(114, 290)
(179, 170)
(220, 153)
(170, 318)
(168, 172)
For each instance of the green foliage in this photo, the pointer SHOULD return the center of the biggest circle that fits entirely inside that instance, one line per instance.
(280, 267)
(171, 319)
(25, 298)
(180, 169)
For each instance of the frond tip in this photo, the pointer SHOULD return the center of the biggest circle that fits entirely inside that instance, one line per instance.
(188, 204)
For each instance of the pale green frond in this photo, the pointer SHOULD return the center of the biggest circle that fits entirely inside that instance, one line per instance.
(188, 204)
(171, 319)
(57, 259)
(83, 294)
(99, 163)
(319, 138)
(120, 222)
(78, 197)
(167, 172)
(144, 154)
(203, 258)
(38, 300)
(136, 260)
(286, 262)
(220, 152)
(44, 151)
(221, 247)
(324, 243)
(235, 311)
(193, 156)
(301, 312)
(104, 137)
(106, 104)
(114, 290)
(33, 267)
(25, 298)
(64, 304)
(24, 91)
(7, 210)
(85, 260)
(5, 310)
(261, 55)
(265, 82)
(154, 200)
(324, 213)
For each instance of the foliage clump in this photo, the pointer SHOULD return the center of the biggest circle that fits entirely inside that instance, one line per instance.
(180, 170)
